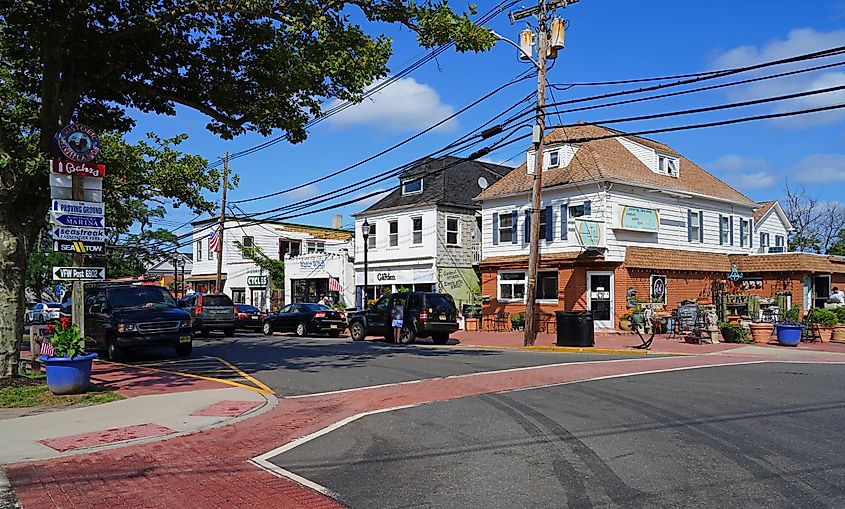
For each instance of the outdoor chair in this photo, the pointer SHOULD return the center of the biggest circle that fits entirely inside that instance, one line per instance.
(497, 322)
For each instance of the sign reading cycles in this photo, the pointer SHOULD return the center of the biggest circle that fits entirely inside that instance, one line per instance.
(78, 142)
(256, 281)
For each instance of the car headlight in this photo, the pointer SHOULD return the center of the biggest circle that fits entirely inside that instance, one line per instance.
(185, 323)
(126, 327)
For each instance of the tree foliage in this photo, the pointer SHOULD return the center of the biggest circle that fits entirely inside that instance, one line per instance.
(819, 225)
(275, 268)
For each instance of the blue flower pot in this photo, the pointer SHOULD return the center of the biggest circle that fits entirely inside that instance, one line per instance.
(67, 375)
(789, 335)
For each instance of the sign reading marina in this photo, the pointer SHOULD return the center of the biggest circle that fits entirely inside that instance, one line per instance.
(81, 221)
(79, 273)
(82, 234)
(78, 208)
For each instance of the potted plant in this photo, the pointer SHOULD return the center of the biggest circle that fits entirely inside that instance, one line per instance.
(838, 335)
(517, 321)
(69, 368)
(789, 329)
(734, 333)
(637, 315)
(761, 332)
(626, 322)
(825, 320)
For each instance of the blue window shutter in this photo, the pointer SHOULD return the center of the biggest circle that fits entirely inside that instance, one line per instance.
(526, 238)
(514, 217)
(750, 233)
(732, 230)
(721, 230)
(550, 225)
(701, 226)
(588, 208)
(741, 232)
(495, 228)
(689, 225)
(564, 222)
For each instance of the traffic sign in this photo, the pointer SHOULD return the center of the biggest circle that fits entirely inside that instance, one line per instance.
(78, 169)
(79, 273)
(79, 221)
(83, 234)
(78, 246)
(78, 208)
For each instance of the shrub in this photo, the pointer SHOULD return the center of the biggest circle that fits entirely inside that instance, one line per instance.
(825, 317)
(840, 314)
(67, 341)
(736, 332)
(517, 317)
(791, 315)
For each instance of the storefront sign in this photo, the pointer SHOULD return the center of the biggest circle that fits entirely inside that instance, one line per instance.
(385, 276)
(78, 142)
(312, 264)
(658, 289)
(639, 218)
(589, 233)
(256, 281)
(78, 169)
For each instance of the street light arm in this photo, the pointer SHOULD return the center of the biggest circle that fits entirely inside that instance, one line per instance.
(515, 45)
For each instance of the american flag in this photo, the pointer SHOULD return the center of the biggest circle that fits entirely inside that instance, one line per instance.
(214, 240)
(47, 347)
(334, 285)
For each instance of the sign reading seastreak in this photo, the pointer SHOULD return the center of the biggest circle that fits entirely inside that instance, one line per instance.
(82, 221)
(82, 234)
(78, 169)
(78, 208)
(79, 273)
(78, 246)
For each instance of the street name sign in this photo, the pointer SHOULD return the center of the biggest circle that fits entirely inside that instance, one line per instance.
(82, 234)
(79, 273)
(78, 208)
(78, 246)
(78, 169)
(79, 221)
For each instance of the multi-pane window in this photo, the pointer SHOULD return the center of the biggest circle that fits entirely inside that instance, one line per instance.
(746, 233)
(511, 286)
(543, 221)
(764, 239)
(547, 286)
(247, 241)
(554, 158)
(315, 246)
(371, 240)
(393, 231)
(505, 228)
(412, 186)
(725, 230)
(452, 231)
(695, 226)
(199, 251)
(210, 254)
(416, 230)
(288, 247)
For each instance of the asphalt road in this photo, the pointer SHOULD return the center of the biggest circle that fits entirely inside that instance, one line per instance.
(767, 435)
(295, 366)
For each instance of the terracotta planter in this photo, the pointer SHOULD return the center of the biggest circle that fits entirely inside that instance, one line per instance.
(733, 318)
(626, 325)
(838, 335)
(825, 333)
(472, 324)
(761, 332)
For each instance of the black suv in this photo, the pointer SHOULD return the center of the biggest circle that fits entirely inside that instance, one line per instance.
(122, 316)
(427, 315)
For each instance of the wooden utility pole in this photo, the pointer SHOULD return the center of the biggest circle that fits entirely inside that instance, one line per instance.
(219, 287)
(77, 298)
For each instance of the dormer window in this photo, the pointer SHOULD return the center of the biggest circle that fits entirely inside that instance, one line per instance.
(412, 186)
(668, 165)
(554, 158)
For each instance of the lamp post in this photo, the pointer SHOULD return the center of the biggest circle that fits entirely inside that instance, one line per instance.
(365, 232)
(180, 263)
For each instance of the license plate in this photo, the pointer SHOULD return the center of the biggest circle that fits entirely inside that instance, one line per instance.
(184, 339)
(442, 317)
(333, 326)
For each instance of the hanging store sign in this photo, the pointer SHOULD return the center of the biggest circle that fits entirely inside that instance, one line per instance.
(589, 233)
(640, 219)
(78, 142)
(256, 281)
(78, 169)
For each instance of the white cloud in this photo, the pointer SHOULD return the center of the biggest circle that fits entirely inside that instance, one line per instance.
(797, 42)
(303, 193)
(405, 105)
(742, 172)
(820, 169)
(731, 163)
(757, 180)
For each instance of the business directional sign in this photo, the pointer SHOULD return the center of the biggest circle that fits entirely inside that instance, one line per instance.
(79, 221)
(78, 169)
(79, 273)
(78, 208)
(83, 234)
(79, 246)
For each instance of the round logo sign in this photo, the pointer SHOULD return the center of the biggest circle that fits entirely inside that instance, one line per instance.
(78, 143)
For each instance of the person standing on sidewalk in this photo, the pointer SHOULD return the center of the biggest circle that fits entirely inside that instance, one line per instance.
(397, 315)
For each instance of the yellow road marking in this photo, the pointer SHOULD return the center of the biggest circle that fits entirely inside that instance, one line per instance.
(262, 389)
(251, 379)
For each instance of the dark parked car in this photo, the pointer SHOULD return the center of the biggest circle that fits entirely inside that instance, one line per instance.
(249, 317)
(211, 311)
(123, 316)
(304, 319)
(427, 315)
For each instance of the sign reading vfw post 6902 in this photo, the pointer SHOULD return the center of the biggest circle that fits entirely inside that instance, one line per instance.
(79, 273)
(640, 219)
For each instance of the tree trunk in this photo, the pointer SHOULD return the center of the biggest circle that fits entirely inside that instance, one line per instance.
(12, 283)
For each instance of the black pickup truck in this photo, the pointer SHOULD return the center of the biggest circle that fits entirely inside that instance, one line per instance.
(427, 315)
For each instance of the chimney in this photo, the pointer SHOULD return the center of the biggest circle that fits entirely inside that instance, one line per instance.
(337, 221)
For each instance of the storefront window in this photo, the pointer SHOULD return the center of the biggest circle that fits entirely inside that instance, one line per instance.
(239, 295)
(547, 286)
(512, 286)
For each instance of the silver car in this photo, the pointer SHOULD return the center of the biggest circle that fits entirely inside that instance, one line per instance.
(44, 312)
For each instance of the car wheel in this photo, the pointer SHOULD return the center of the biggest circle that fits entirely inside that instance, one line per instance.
(114, 352)
(301, 329)
(205, 332)
(228, 332)
(334, 334)
(184, 349)
(439, 339)
(267, 329)
(357, 331)
(407, 336)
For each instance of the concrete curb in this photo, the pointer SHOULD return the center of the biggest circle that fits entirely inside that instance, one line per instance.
(7, 495)
(563, 349)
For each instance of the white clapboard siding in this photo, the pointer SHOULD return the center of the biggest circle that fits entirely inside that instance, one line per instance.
(405, 250)
(772, 224)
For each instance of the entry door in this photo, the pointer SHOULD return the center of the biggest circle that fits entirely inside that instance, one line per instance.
(600, 298)
(821, 286)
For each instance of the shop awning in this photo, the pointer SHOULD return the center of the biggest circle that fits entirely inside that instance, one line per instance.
(201, 278)
(675, 259)
(791, 262)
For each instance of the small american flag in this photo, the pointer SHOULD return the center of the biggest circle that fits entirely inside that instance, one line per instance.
(334, 285)
(47, 347)
(214, 240)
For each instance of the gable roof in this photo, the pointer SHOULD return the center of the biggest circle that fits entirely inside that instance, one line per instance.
(446, 180)
(764, 208)
(607, 159)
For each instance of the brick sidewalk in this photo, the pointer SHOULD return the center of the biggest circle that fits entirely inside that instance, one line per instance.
(211, 469)
(133, 381)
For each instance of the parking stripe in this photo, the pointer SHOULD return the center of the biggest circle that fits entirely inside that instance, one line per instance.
(259, 387)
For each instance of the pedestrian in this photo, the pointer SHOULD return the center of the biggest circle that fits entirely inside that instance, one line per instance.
(324, 300)
(397, 314)
(838, 296)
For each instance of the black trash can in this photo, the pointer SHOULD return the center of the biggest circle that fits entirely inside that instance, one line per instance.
(575, 328)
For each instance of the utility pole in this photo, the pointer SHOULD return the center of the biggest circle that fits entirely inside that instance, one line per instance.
(222, 221)
(77, 296)
(541, 13)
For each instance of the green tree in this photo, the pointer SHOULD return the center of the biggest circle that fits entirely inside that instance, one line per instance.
(275, 268)
(249, 65)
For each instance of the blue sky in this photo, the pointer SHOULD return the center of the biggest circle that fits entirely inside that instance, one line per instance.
(606, 40)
